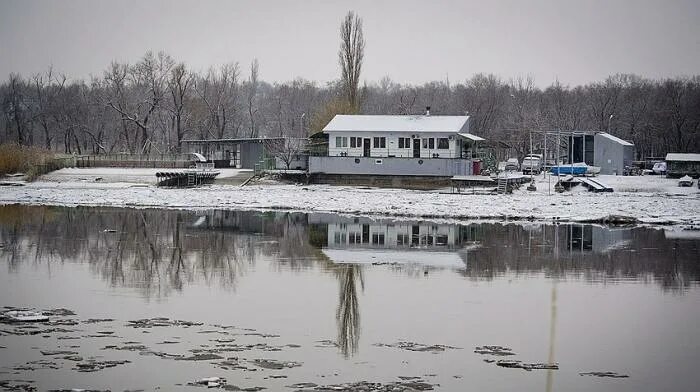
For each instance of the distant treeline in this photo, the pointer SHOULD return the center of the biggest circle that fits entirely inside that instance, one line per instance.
(153, 105)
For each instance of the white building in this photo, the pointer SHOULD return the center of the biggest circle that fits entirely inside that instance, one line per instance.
(398, 146)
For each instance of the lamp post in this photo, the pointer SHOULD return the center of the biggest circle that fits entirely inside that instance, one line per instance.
(610, 119)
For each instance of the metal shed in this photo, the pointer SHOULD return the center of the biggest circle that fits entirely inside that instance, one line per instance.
(611, 153)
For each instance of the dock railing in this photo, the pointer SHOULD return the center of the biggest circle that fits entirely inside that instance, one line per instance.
(134, 160)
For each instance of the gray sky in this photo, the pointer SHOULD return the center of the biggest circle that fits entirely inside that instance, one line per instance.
(412, 41)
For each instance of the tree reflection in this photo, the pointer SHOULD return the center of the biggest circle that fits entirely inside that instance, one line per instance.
(348, 312)
(154, 251)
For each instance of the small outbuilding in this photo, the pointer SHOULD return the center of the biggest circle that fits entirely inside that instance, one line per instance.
(679, 165)
(611, 153)
(239, 153)
(601, 149)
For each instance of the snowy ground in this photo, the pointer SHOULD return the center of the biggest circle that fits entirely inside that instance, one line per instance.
(650, 199)
(117, 175)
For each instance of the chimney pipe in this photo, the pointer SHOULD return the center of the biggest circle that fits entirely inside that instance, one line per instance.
(427, 110)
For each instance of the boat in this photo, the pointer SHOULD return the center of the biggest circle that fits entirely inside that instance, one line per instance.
(685, 181)
(574, 169)
(592, 170)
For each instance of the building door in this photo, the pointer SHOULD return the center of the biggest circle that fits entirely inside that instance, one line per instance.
(365, 147)
(416, 148)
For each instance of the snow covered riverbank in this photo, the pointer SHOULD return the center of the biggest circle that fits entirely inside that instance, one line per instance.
(650, 200)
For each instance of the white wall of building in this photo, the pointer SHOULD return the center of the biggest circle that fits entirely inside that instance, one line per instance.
(343, 146)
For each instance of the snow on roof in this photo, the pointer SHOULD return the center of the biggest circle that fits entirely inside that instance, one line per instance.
(471, 137)
(683, 157)
(615, 139)
(372, 123)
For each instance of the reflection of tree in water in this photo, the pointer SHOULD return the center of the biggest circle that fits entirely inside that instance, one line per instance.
(348, 313)
(155, 251)
(593, 253)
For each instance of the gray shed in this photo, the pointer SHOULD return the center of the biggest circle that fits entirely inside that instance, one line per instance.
(611, 153)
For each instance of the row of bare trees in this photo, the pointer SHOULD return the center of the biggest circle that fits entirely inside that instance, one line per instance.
(150, 107)
(156, 103)
(659, 116)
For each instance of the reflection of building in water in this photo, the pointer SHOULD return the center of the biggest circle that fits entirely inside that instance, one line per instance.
(589, 238)
(391, 235)
(248, 222)
(364, 240)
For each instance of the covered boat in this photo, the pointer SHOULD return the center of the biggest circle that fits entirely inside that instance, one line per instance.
(576, 170)
(685, 181)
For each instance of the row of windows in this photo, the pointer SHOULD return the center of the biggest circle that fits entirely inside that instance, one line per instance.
(443, 143)
(379, 239)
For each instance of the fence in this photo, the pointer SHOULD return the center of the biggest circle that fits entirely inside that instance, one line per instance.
(135, 160)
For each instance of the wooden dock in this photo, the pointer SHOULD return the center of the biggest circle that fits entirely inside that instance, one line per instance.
(503, 183)
(202, 173)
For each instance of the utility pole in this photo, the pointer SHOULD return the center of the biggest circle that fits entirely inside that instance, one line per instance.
(532, 186)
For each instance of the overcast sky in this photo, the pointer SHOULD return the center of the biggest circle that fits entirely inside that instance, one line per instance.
(410, 41)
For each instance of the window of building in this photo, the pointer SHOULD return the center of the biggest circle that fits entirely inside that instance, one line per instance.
(382, 142)
(378, 239)
(376, 142)
(431, 143)
(339, 238)
(355, 238)
(359, 141)
(404, 142)
(341, 141)
(425, 143)
(401, 142)
(443, 143)
(352, 142)
(402, 239)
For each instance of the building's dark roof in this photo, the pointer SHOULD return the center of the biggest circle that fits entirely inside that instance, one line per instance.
(233, 140)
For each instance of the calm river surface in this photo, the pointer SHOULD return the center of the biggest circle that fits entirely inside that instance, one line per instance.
(275, 300)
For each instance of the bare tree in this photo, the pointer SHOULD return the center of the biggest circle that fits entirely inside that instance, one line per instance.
(148, 79)
(350, 56)
(178, 86)
(219, 93)
(286, 150)
(15, 108)
(252, 93)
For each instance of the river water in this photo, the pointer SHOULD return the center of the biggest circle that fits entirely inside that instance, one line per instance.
(277, 299)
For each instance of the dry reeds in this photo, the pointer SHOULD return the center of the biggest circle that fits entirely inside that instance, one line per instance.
(32, 161)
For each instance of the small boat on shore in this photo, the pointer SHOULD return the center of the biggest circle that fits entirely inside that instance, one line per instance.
(685, 181)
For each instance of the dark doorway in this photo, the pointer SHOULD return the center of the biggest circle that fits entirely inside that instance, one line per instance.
(365, 147)
(415, 235)
(416, 148)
